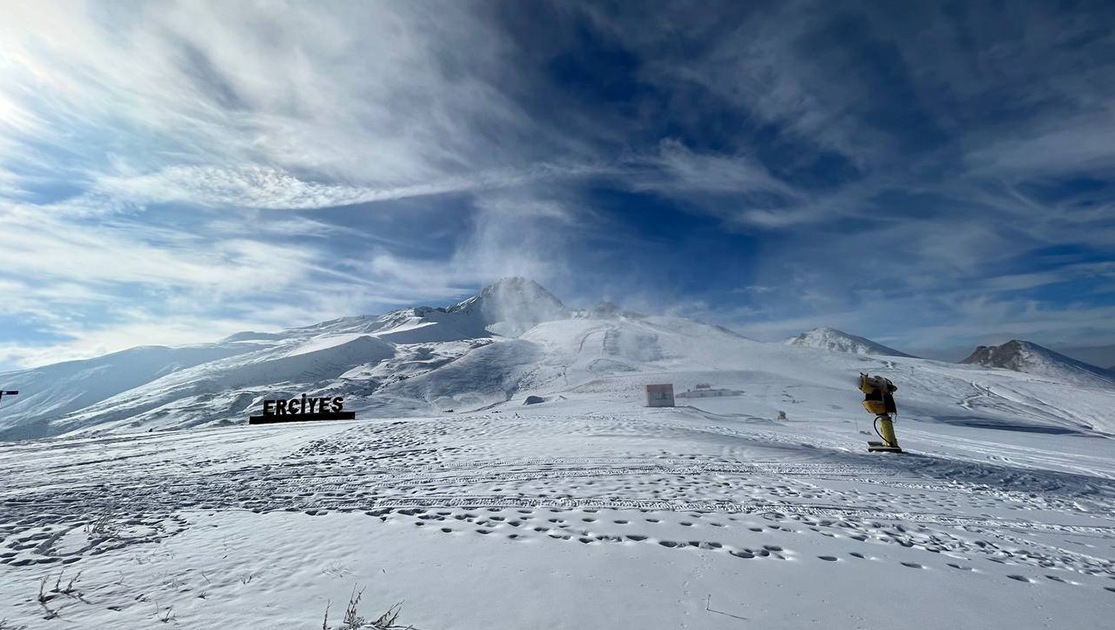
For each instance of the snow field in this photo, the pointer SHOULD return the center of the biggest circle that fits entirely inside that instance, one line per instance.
(583, 512)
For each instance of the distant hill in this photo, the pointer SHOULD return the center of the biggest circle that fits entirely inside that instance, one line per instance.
(840, 341)
(1029, 357)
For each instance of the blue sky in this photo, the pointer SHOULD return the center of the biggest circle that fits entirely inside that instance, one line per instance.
(930, 175)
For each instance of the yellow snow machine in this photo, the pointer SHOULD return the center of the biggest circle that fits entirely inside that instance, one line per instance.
(878, 398)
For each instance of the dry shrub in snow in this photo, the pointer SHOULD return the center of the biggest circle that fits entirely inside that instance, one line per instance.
(353, 621)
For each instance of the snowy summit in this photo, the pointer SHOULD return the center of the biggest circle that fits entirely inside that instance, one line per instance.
(512, 306)
(840, 341)
(1028, 357)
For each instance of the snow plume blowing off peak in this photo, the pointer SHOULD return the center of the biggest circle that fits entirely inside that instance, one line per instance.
(513, 306)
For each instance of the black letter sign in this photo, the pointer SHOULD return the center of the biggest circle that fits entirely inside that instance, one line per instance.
(299, 409)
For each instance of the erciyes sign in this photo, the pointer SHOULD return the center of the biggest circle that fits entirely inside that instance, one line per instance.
(303, 408)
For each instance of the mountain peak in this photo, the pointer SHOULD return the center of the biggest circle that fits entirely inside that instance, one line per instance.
(513, 305)
(840, 341)
(1012, 355)
(1031, 358)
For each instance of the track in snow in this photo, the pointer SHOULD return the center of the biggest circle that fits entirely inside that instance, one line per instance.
(70, 499)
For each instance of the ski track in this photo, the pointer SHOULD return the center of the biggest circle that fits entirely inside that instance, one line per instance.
(65, 500)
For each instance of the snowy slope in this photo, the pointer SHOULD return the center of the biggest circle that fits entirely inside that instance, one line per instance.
(1024, 356)
(839, 341)
(428, 360)
(142, 389)
(587, 511)
(56, 390)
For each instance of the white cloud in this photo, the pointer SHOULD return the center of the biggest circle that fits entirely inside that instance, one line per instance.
(511, 234)
(86, 343)
(49, 250)
(1063, 147)
(269, 188)
(236, 103)
(679, 170)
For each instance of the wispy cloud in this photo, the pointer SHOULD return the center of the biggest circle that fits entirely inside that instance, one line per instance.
(269, 188)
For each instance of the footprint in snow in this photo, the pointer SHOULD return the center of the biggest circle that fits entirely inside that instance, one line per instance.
(1056, 579)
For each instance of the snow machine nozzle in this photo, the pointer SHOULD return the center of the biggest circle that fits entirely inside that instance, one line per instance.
(878, 398)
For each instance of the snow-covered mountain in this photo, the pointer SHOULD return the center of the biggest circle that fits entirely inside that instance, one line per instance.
(840, 341)
(1028, 357)
(512, 340)
(177, 387)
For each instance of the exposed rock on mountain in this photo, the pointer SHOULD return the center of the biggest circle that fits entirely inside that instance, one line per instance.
(1028, 357)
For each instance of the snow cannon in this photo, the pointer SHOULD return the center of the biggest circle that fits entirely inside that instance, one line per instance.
(878, 398)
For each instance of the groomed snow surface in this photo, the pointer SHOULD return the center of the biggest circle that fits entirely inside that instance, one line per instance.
(588, 511)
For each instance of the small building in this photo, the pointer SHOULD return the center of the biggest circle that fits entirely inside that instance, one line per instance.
(660, 395)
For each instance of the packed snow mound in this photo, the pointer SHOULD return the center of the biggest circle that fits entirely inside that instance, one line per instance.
(513, 306)
(840, 341)
(1030, 358)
